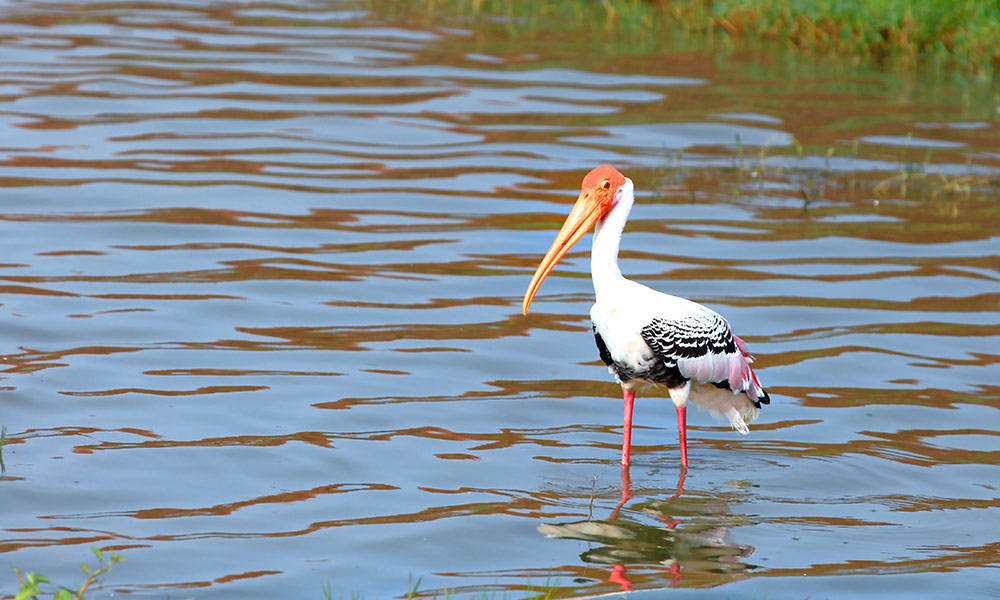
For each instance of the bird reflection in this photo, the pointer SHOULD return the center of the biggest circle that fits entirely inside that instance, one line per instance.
(692, 538)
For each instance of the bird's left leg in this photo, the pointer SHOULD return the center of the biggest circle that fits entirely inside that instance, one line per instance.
(680, 397)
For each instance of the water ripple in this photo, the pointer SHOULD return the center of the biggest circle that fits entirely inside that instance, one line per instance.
(262, 279)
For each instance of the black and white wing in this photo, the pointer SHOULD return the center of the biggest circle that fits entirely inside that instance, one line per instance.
(703, 348)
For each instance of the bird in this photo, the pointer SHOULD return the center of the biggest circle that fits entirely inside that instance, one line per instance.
(646, 337)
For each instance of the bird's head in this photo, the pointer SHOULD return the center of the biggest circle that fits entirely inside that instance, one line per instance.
(598, 195)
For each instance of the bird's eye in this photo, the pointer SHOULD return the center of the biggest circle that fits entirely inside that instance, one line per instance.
(606, 185)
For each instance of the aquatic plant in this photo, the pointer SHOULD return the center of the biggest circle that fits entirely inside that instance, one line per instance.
(911, 179)
(546, 592)
(30, 584)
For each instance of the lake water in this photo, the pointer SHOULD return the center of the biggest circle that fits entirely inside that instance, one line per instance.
(261, 282)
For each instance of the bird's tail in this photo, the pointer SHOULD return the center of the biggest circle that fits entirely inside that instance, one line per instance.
(738, 408)
(757, 394)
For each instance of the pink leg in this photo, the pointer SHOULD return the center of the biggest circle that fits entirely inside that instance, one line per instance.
(627, 432)
(682, 428)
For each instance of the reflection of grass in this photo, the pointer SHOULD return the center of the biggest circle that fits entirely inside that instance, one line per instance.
(918, 179)
(3, 440)
(911, 180)
(966, 31)
(30, 584)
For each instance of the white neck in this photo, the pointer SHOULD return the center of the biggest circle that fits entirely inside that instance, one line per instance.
(607, 236)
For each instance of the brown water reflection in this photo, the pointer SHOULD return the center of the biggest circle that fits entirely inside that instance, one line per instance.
(260, 285)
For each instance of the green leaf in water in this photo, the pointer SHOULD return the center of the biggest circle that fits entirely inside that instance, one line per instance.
(64, 594)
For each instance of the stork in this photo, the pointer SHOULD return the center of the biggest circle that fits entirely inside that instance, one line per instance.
(648, 337)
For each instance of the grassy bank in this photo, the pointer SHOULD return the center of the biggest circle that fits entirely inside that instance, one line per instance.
(964, 34)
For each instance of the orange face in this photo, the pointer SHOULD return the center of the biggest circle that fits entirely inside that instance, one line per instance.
(597, 196)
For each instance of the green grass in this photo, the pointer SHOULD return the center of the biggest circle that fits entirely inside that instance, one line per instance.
(35, 585)
(904, 33)
(908, 30)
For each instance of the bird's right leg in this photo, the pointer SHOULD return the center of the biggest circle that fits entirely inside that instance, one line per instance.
(680, 397)
(627, 431)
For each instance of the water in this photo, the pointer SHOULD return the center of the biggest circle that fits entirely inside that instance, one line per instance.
(262, 275)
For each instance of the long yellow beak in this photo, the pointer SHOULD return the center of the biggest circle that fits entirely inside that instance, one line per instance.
(585, 213)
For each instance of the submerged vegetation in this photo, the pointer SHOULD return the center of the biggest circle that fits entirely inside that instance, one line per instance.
(915, 179)
(965, 33)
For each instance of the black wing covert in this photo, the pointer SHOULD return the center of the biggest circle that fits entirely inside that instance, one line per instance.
(693, 347)
(688, 339)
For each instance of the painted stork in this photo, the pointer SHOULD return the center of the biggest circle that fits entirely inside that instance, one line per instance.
(645, 336)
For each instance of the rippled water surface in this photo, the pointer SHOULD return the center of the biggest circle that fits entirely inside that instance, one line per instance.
(261, 280)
